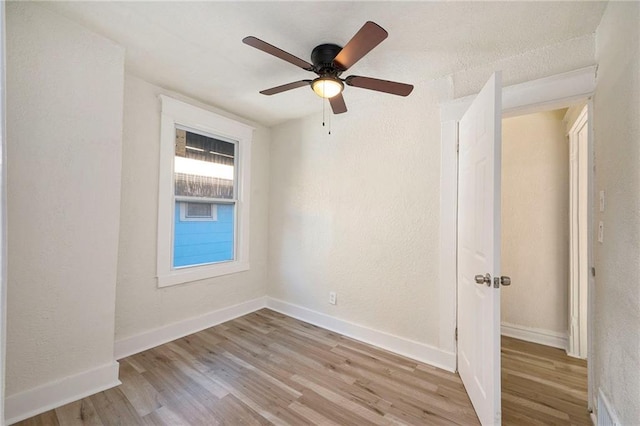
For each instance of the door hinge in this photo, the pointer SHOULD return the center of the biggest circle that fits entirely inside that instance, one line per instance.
(456, 333)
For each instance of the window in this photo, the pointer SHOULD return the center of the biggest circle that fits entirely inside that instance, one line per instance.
(203, 203)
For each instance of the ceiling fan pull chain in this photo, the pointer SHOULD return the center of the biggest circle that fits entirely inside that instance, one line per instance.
(323, 104)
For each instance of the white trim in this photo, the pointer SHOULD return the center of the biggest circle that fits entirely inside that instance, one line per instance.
(409, 348)
(60, 392)
(151, 339)
(535, 335)
(609, 417)
(570, 86)
(448, 262)
(399, 345)
(556, 91)
(579, 264)
(179, 114)
(591, 291)
(3, 210)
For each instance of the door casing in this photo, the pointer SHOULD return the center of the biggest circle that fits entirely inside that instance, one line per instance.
(558, 91)
(579, 245)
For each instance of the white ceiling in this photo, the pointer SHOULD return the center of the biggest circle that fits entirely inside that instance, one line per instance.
(196, 48)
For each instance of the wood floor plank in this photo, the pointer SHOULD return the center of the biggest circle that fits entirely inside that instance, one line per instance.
(312, 416)
(78, 413)
(142, 396)
(344, 403)
(113, 407)
(164, 416)
(48, 418)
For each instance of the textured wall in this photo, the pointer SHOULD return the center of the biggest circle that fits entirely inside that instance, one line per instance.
(535, 221)
(557, 58)
(617, 140)
(356, 212)
(140, 305)
(64, 140)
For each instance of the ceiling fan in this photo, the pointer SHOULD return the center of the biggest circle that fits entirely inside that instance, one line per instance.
(329, 61)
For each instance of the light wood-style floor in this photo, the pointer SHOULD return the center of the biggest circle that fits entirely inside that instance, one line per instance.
(541, 385)
(267, 368)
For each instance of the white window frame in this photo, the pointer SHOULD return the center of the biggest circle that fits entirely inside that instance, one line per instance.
(179, 114)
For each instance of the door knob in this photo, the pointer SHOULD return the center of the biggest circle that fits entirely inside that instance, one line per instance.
(483, 279)
(504, 280)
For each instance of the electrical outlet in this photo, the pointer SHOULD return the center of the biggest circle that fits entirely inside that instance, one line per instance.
(332, 297)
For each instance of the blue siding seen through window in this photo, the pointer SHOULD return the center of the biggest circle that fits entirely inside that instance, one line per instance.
(199, 242)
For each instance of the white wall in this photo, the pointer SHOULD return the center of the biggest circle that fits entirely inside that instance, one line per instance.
(356, 212)
(83, 214)
(64, 142)
(554, 59)
(141, 306)
(617, 146)
(535, 221)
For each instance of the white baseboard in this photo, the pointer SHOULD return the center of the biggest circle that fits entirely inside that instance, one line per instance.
(409, 348)
(536, 335)
(156, 337)
(605, 413)
(55, 394)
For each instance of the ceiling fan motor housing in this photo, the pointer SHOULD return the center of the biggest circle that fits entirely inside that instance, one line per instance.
(322, 58)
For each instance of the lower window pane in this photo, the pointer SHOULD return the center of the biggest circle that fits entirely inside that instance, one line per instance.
(201, 242)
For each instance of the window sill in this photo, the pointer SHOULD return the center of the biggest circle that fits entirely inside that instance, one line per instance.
(196, 273)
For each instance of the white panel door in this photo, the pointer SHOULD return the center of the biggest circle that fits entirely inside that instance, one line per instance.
(479, 251)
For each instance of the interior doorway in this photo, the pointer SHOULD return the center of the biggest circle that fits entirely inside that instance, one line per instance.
(545, 240)
(545, 227)
(548, 93)
(535, 227)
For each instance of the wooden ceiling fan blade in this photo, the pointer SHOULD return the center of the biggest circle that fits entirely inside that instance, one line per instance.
(392, 87)
(368, 37)
(337, 104)
(278, 53)
(285, 87)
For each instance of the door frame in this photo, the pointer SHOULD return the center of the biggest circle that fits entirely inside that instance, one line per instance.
(554, 92)
(3, 209)
(577, 321)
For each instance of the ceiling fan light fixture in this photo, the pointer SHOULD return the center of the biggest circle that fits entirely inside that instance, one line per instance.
(327, 87)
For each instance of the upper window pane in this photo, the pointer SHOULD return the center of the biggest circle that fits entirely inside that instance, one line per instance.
(204, 166)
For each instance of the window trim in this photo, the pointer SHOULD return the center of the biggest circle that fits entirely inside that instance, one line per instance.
(177, 114)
